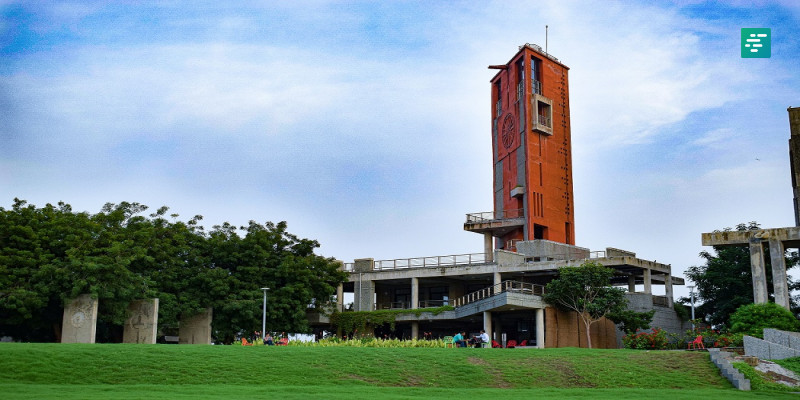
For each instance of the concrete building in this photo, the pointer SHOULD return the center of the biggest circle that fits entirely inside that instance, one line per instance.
(528, 236)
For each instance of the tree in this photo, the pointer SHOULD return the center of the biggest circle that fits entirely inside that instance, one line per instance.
(724, 283)
(587, 290)
(50, 255)
(751, 319)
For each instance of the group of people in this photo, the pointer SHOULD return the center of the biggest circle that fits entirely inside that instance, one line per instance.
(460, 339)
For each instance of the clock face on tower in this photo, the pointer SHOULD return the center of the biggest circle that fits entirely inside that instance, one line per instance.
(508, 131)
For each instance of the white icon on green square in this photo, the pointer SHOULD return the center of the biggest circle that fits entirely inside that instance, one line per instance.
(756, 43)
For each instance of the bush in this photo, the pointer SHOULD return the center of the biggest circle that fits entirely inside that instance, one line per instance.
(751, 319)
(655, 340)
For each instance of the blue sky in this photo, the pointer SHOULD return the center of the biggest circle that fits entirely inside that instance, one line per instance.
(366, 125)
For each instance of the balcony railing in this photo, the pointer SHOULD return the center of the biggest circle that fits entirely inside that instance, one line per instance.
(475, 218)
(433, 303)
(543, 120)
(430, 262)
(536, 86)
(505, 286)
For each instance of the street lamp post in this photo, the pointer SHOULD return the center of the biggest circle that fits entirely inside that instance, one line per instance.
(691, 296)
(264, 314)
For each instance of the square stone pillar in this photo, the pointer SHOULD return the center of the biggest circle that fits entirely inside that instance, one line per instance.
(142, 323)
(759, 271)
(487, 325)
(340, 297)
(648, 283)
(414, 292)
(415, 330)
(364, 295)
(632, 284)
(497, 278)
(488, 246)
(196, 329)
(780, 282)
(79, 324)
(668, 289)
(540, 328)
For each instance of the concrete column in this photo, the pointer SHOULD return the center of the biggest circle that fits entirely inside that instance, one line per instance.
(487, 325)
(497, 278)
(759, 271)
(488, 246)
(632, 284)
(540, 328)
(414, 292)
(648, 284)
(364, 294)
(779, 278)
(668, 288)
(340, 297)
(415, 330)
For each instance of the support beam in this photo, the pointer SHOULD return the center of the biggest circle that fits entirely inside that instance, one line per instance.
(648, 281)
(758, 270)
(340, 297)
(668, 288)
(487, 325)
(488, 247)
(780, 282)
(415, 330)
(540, 328)
(414, 292)
(497, 278)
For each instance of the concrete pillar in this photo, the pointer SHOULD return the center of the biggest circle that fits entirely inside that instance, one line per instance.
(142, 323)
(632, 284)
(540, 328)
(487, 324)
(780, 281)
(758, 270)
(648, 284)
(488, 247)
(668, 288)
(414, 292)
(497, 278)
(415, 330)
(364, 295)
(340, 297)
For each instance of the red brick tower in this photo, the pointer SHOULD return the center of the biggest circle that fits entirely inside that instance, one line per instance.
(531, 147)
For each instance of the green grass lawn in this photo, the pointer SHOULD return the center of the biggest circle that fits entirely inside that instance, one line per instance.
(120, 371)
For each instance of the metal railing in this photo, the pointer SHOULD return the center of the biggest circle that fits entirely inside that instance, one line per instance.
(536, 86)
(475, 218)
(348, 267)
(505, 286)
(520, 90)
(394, 305)
(430, 262)
(543, 120)
(433, 303)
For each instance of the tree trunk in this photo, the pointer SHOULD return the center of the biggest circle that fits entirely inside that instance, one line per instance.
(588, 324)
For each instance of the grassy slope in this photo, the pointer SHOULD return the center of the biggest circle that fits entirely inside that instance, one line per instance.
(162, 371)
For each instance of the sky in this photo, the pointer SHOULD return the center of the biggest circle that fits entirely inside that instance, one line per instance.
(366, 125)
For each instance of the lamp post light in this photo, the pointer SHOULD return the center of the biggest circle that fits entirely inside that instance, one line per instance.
(691, 296)
(264, 314)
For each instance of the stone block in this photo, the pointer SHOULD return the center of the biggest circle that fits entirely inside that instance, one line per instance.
(196, 329)
(778, 352)
(756, 347)
(142, 323)
(79, 323)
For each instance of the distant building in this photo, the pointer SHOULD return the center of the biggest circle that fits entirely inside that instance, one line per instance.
(528, 236)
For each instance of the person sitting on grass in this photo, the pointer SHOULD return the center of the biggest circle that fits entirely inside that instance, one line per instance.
(268, 340)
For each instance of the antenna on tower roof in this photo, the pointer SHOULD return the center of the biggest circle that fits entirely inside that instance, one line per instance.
(545, 38)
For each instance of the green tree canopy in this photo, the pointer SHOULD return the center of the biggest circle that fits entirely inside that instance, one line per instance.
(751, 319)
(50, 255)
(724, 283)
(587, 290)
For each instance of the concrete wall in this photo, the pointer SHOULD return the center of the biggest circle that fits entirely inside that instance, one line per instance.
(549, 250)
(196, 329)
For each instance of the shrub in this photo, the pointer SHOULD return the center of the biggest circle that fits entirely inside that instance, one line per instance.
(655, 340)
(751, 319)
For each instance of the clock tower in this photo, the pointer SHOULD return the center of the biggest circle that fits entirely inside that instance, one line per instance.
(531, 153)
